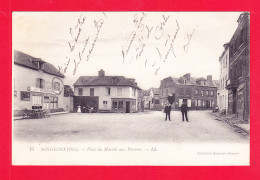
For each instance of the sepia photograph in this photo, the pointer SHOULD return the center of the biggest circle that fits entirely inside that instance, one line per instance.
(131, 88)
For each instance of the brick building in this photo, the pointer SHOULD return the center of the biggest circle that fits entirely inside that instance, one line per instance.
(238, 84)
(200, 93)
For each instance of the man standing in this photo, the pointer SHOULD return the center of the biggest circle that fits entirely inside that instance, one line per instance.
(184, 109)
(167, 110)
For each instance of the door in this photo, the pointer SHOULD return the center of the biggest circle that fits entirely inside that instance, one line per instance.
(234, 110)
(207, 104)
(127, 107)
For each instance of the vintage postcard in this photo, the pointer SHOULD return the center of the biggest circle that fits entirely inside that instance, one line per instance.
(131, 88)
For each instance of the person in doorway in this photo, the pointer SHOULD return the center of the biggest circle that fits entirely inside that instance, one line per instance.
(184, 110)
(167, 110)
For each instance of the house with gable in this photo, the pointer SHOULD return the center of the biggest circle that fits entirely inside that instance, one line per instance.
(199, 93)
(107, 93)
(37, 84)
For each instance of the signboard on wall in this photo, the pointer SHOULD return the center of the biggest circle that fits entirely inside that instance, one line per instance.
(25, 96)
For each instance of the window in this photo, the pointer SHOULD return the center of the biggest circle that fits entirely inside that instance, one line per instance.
(203, 103)
(212, 93)
(39, 83)
(196, 103)
(119, 91)
(226, 60)
(156, 101)
(46, 104)
(104, 103)
(36, 100)
(91, 91)
(201, 92)
(54, 103)
(133, 91)
(108, 90)
(120, 104)
(115, 105)
(196, 92)
(199, 102)
(184, 81)
(207, 93)
(80, 91)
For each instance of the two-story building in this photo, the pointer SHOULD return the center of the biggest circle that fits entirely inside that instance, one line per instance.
(37, 84)
(107, 93)
(238, 84)
(199, 93)
(224, 76)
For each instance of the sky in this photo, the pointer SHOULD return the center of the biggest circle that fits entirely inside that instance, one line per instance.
(146, 46)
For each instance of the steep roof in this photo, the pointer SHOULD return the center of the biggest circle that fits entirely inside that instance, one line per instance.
(28, 61)
(105, 81)
(192, 81)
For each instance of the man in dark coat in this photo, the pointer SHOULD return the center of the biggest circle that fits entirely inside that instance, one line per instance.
(184, 109)
(167, 110)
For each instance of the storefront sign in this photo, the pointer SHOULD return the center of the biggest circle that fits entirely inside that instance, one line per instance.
(25, 96)
(57, 85)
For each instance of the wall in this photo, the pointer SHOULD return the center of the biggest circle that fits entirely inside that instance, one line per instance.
(101, 92)
(224, 76)
(191, 96)
(25, 77)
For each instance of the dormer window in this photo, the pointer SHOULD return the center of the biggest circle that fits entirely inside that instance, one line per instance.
(184, 81)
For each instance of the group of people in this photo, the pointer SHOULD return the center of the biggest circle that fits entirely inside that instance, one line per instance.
(184, 111)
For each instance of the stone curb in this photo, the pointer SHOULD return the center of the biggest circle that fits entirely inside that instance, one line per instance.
(232, 125)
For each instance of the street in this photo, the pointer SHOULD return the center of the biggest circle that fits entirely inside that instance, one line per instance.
(141, 127)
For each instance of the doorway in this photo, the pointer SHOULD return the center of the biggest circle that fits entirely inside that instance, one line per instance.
(127, 107)
(207, 105)
(234, 109)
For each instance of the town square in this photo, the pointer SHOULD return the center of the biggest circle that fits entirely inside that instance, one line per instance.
(147, 126)
(170, 78)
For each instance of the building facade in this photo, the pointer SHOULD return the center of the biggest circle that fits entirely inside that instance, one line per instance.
(199, 93)
(107, 93)
(224, 76)
(238, 84)
(146, 99)
(37, 85)
(155, 96)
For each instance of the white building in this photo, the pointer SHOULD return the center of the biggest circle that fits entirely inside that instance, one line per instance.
(106, 93)
(224, 76)
(37, 85)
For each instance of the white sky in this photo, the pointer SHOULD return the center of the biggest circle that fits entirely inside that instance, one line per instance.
(46, 35)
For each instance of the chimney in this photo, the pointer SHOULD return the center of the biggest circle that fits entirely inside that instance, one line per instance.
(101, 73)
(225, 46)
(209, 78)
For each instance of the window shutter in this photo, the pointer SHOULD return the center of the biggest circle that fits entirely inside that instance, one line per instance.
(43, 84)
(38, 82)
